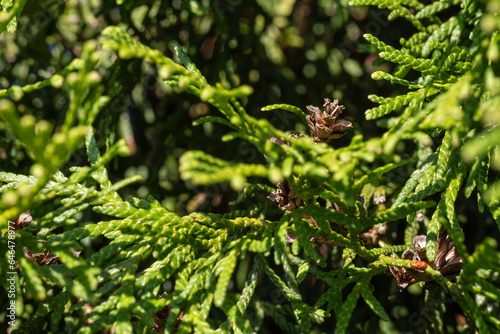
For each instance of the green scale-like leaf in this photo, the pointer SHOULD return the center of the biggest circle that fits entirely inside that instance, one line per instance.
(445, 211)
(13, 181)
(293, 109)
(415, 40)
(248, 289)
(435, 7)
(303, 233)
(403, 12)
(414, 179)
(372, 302)
(162, 269)
(445, 151)
(399, 212)
(387, 105)
(381, 46)
(344, 316)
(412, 228)
(426, 66)
(379, 75)
(224, 269)
(440, 34)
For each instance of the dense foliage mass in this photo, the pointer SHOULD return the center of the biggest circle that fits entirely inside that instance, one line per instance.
(228, 166)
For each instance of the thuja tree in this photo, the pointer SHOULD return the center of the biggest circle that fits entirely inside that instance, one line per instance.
(317, 225)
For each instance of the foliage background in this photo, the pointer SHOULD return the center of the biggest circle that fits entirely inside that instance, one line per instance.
(293, 52)
(296, 53)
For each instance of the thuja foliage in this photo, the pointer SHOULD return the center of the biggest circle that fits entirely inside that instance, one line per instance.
(330, 242)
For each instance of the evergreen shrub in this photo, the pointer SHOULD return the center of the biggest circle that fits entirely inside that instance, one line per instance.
(324, 231)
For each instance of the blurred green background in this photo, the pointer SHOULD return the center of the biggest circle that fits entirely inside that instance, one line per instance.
(290, 52)
(293, 52)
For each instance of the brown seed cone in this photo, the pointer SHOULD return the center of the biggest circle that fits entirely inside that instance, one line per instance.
(285, 197)
(23, 220)
(43, 258)
(324, 125)
(374, 234)
(447, 261)
(403, 278)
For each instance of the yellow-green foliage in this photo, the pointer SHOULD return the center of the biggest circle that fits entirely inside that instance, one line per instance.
(450, 112)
